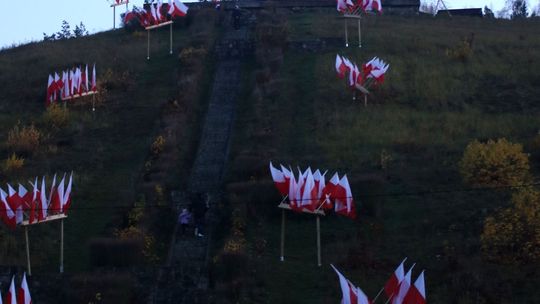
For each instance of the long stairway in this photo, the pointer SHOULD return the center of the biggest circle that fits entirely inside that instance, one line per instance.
(185, 277)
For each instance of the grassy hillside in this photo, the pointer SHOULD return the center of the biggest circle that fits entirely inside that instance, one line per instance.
(107, 149)
(438, 96)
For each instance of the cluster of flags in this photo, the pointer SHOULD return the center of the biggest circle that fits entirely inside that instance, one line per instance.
(311, 192)
(35, 205)
(20, 297)
(73, 83)
(365, 5)
(156, 13)
(398, 289)
(121, 1)
(372, 72)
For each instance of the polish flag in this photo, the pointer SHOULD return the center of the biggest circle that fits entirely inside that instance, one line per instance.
(319, 184)
(42, 202)
(59, 82)
(344, 202)
(350, 293)
(376, 5)
(417, 292)
(83, 86)
(309, 195)
(392, 285)
(11, 297)
(341, 6)
(286, 173)
(66, 201)
(177, 9)
(7, 213)
(74, 82)
(328, 192)
(94, 82)
(50, 90)
(35, 194)
(16, 204)
(404, 287)
(25, 196)
(79, 80)
(24, 292)
(341, 67)
(57, 197)
(279, 180)
(155, 18)
(292, 193)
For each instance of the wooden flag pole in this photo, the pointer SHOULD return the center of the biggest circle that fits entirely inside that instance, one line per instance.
(170, 48)
(29, 268)
(319, 241)
(282, 258)
(346, 36)
(62, 246)
(359, 33)
(377, 296)
(148, 46)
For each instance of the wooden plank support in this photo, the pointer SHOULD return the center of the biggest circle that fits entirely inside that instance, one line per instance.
(49, 218)
(304, 210)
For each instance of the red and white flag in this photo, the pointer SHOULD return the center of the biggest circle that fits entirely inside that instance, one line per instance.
(309, 193)
(344, 202)
(16, 204)
(7, 214)
(42, 202)
(350, 293)
(50, 89)
(292, 193)
(24, 292)
(34, 202)
(404, 287)
(11, 297)
(66, 201)
(279, 180)
(341, 67)
(328, 192)
(391, 287)
(177, 9)
(59, 82)
(57, 197)
(417, 292)
(94, 82)
(155, 18)
(341, 6)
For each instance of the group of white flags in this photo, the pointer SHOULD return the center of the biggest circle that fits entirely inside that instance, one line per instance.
(311, 192)
(365, 5)
(73, 83)
(372, 72)
(35, 205)
(398, 288)
(21, 297)
(156, 13)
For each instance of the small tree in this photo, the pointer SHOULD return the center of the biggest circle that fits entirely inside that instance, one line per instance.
(80, 30)
(519, 9)
(512, 235)
(495, 163)
(65, 32)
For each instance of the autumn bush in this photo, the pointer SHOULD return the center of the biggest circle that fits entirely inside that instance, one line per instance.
(56, 116)
(13, 163)
(23, 139)
(495, 163)
(158, 145)
(512, 235)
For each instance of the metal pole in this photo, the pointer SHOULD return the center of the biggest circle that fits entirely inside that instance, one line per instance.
(319, 241)
(346, 38)
(62, 246)
(114, 17)
(27, 251)
(148, 46)
(170, 52)
(377, 296)
(282, 258)
(359, 34)
(365, 100)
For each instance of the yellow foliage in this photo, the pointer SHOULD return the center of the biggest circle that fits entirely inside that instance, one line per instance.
(158, 145)
(512, 235)
(56, 116)
(149, 242)
(495, 163)
(13, 163)
(25, 139)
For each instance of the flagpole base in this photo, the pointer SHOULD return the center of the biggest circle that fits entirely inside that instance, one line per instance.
(346, 45)
(281, 259)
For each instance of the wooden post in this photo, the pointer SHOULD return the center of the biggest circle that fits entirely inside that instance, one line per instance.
(148, 46)
(29, 268)
(319, 241)
(170, 49)
(114, 17)
(62, 246)
(359, 34)
(282, 258)
(365, 100)
(346, 37)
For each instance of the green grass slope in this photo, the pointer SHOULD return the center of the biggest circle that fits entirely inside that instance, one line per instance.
(437, 98)
(106, 149)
